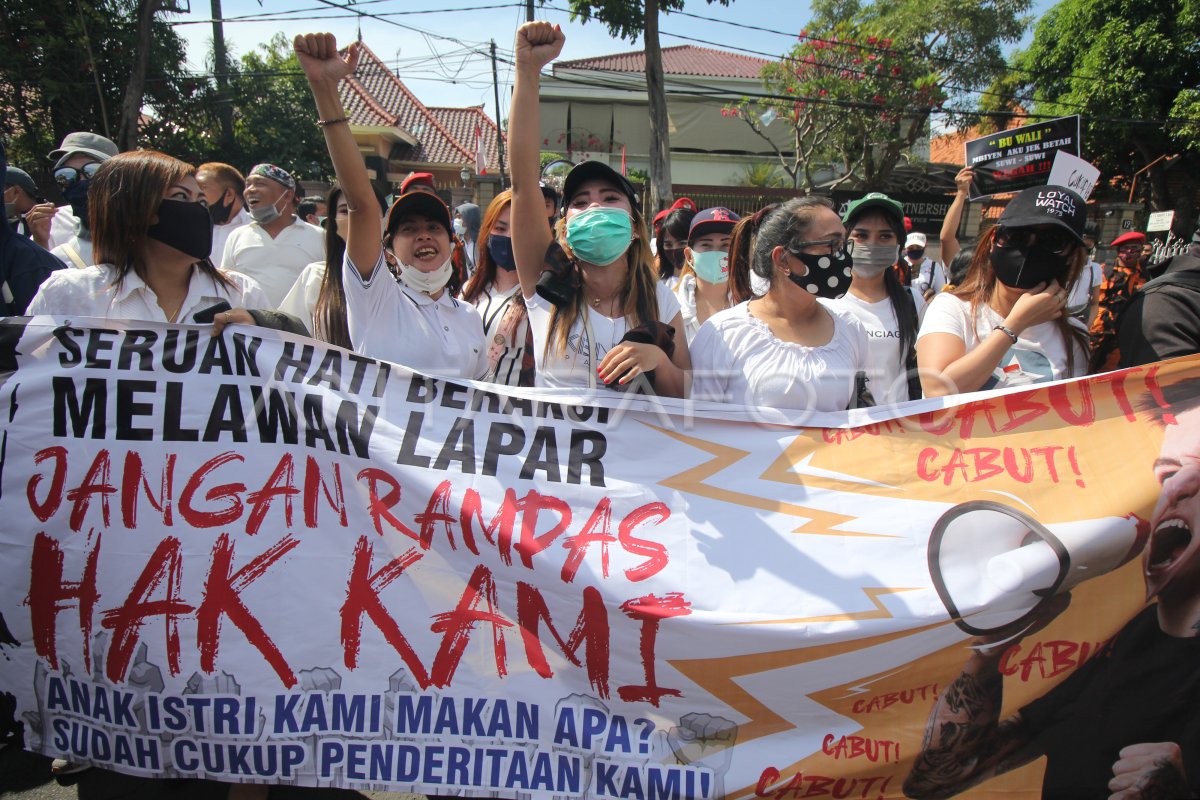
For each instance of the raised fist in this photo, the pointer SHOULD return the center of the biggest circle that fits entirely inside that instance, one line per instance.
(538, 43)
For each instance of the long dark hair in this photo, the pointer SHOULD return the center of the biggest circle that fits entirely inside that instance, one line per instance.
(329, 312)
(124, 196)
(979, 287)
(741, 251)
(903, 304)
(678, 223)
(778, 227)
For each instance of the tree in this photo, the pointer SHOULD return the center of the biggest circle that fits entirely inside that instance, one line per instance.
(859, 87)
(629, 19)
(67, 67)
(1131, 69)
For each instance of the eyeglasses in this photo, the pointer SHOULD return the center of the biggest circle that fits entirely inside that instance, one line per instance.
(66, 177)
(836, 247)
(1053, 239)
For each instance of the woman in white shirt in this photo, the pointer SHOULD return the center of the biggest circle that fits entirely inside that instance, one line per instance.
(887, 309)
(790, 347)
(703, 286)
(495, 291)
(597, 283)
(152, 237)
(1005, 326)
(417, 323)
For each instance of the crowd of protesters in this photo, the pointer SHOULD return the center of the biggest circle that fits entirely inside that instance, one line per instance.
(791, 307)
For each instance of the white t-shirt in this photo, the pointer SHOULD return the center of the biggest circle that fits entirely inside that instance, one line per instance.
(1040, 354)
(571, 368)
(737, 359)
(274, 262)
(75, 252)
(301, 299)
(1080, 298)
(929, 274)
(685, 293)
(492, 306)
(390, 321)
(90, 292)
(886, 371)
(221, 234)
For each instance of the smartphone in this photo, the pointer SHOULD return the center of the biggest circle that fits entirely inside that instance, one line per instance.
(206, 315)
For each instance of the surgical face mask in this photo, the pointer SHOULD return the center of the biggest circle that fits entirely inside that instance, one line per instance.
(872, 259)
(600, 235)
(185, 226)
(501, 250)
(265, 215)
(711, 267)
(427, 282)
(459, 227)
(827, 276)
(10, 211)
(1025, 268)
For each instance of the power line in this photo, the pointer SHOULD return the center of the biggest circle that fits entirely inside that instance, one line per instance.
(273, 16)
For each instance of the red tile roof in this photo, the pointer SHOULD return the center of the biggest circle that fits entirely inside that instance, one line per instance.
(682, 59)
(375, 97)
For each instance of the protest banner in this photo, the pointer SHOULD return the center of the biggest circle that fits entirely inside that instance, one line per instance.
(262, 559)
(1017, 158)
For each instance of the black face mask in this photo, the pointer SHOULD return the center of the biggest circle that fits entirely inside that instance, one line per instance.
(673, 256)
(185, 226)
(77, 196)
(827, 276)
(914, 254)
(220, 212)
(1025, 269)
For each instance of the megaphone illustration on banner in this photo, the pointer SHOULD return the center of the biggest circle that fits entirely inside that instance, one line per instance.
(994, 566)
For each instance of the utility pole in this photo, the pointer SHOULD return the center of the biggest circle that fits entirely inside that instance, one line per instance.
(221, 68)
(499, 121)
(529, 10)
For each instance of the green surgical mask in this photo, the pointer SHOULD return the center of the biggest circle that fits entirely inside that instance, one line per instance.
(600, 235)
(711, 267)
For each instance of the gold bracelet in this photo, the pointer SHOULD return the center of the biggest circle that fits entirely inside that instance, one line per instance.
(321, 123)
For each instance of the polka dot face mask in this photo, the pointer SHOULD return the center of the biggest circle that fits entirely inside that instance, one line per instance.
(826, 275)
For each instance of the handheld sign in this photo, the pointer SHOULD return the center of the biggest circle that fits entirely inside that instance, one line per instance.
(1074, 173)
(1015, 159)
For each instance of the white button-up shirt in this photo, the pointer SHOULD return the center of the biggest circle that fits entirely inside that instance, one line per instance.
(276, 262)
(221, 234)
(91, 292)
(393, 322)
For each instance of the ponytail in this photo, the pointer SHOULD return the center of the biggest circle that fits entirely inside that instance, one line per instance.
(741, 253)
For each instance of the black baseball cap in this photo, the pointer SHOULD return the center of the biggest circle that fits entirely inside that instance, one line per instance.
(422, 203)
(1047, 205)
(712, 220)
(596, 170)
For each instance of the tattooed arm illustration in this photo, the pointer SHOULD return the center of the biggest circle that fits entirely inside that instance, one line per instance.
(966, 742)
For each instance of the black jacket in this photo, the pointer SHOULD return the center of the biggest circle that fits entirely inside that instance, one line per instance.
(23, 265)
(1163, 318)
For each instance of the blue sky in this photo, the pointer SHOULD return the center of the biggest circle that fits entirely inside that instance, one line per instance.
(439, 51)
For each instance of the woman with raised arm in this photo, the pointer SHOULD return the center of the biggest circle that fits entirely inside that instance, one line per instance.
(1005, 326)
(596, 307)
(417, 322)
(790, 347)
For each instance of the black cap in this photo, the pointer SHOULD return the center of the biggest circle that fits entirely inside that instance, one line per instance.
(1047, 205)
(423, 203)
(19, 177)
(596, 170)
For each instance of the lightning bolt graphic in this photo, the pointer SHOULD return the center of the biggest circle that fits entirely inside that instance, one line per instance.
(693, 481)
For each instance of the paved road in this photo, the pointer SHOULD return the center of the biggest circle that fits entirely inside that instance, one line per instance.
(25, 776)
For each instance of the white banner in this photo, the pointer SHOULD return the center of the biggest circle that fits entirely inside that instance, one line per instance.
(259, 558)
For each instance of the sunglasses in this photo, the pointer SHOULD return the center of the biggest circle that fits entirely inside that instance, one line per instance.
(66, 177)
(1052, 239)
